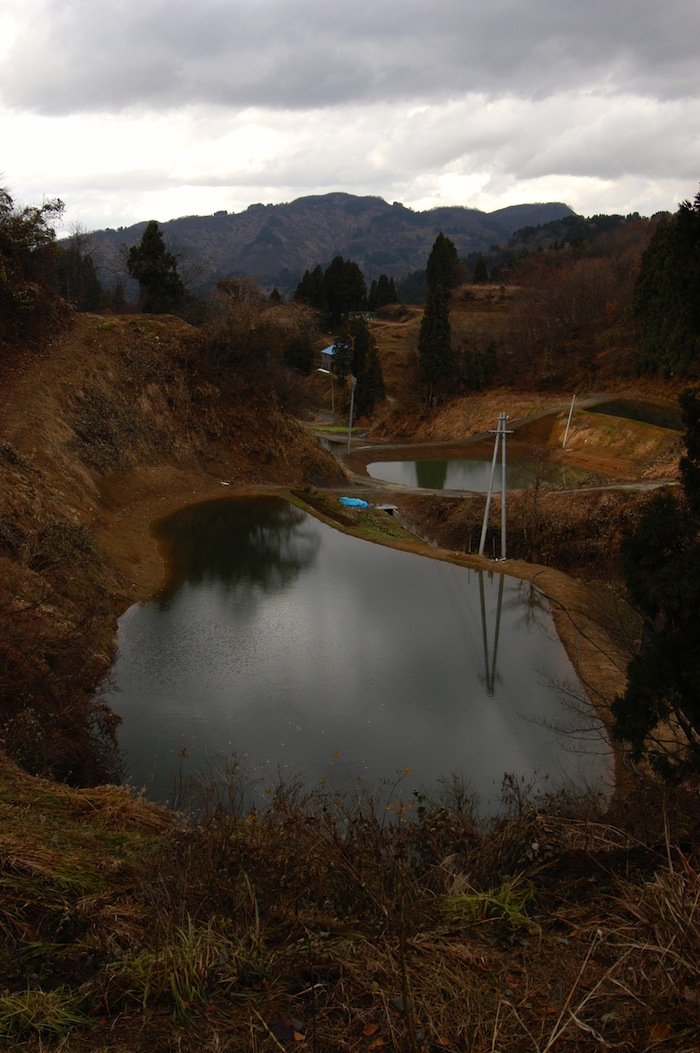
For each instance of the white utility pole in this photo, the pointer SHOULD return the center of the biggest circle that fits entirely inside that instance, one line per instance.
(353, 381)
(568, 423)
(504, 418)
(500, 433)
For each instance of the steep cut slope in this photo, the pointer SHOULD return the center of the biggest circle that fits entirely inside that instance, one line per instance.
(99, 433)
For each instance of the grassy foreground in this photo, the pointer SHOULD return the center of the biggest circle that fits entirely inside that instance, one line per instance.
(345, 924)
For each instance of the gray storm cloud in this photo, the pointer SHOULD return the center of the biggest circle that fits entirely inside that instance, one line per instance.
(134, 107)
(97, 56)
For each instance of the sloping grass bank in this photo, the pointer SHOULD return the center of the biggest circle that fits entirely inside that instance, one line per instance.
(344, 924)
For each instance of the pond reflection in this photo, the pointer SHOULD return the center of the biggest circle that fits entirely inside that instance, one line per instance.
(661, 416)
(245, 551)
(306, 651)
(491, 658)
(473, 473)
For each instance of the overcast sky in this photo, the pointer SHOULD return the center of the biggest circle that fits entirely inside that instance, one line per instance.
(145, 109)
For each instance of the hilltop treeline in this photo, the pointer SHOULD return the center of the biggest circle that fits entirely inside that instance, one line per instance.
(30, 304)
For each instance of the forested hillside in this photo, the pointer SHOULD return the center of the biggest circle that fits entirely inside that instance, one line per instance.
(275, 244)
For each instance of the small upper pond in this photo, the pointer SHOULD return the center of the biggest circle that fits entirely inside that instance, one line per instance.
(643, 412)
(308, 652)
(473, 473)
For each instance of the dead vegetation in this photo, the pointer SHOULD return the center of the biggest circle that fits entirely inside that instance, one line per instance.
(545, 528)
(328, 923)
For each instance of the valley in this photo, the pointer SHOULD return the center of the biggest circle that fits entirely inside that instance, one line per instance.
(322, 921)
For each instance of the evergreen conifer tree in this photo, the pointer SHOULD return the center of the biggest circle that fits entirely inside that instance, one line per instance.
(661, 562)
(481, 273)
(155, 269)
(342, 361)
(344, 288)
(436, 357)
(366, 366)
(443, 264)
(667, 295)
(310, 289)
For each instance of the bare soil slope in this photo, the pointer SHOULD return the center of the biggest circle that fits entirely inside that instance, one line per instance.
(112, 426)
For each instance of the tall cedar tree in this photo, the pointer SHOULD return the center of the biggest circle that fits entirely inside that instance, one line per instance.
(661, 562)
(344, 288)
(382, 291)
(310, 289)
(155, 269)
(367, 368)
(443, 264)
(667, 295)
(435, 354)
(336, 291)
(481, 273)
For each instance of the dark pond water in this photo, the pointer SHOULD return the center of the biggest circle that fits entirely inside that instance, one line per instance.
(303, 651)
(472, 473)
(644, 412)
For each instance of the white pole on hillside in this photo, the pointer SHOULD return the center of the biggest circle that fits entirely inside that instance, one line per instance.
(353, 380)
(568, 423)
(484, 525)
(503, 420)
(500, 434)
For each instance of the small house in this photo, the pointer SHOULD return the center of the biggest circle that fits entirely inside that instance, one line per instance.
(327, 358)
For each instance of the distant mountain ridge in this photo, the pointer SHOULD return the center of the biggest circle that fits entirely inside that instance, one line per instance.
(275, 244)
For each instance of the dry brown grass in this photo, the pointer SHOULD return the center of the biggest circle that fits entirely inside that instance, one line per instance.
(329, 924)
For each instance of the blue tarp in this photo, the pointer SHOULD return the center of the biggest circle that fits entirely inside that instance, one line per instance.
(353, 502)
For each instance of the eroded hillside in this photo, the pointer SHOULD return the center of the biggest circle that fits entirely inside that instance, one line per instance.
(113, 424)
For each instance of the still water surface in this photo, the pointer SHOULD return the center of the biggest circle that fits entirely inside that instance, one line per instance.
(662, 416)
(472, 473)
(309, 652)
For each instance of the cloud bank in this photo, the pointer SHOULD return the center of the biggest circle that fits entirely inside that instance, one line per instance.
(131, 110)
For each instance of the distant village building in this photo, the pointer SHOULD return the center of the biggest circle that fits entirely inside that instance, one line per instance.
(327, 357)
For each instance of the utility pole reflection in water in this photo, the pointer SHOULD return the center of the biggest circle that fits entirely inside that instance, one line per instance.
(490, 665)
